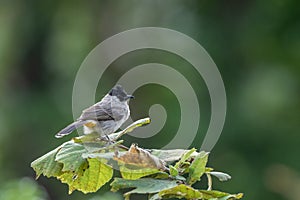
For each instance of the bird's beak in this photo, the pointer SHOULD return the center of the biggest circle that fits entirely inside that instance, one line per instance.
(130, 97)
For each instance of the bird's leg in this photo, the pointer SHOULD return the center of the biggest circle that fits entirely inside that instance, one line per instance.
(107, 139)
(111, 142)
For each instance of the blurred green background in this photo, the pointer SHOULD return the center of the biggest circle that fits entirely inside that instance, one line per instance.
(255, 44)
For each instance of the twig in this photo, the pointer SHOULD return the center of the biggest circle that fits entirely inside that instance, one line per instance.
(131, 127)
(209, 181)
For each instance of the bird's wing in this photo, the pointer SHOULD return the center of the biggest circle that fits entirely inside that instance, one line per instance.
(97, 112)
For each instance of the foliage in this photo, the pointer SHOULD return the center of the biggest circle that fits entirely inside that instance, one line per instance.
(144, 171)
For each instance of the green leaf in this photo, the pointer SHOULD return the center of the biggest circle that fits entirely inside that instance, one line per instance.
(142, 186)
(197, 168)
(173, 171)
(47, 165)
(180, 191)
(90, 177)
(214, 194)
(184, 157)
(171, 155)
(133, 174)
(232, 196)
(66, 164)
(180, 178)
(221, 176)
(160, 175)
(187, 192)
(70, 155)
(155, 197)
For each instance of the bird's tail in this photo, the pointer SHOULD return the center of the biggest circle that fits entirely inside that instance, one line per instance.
(69, 129)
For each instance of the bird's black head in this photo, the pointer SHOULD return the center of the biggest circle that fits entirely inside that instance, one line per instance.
(119, 92)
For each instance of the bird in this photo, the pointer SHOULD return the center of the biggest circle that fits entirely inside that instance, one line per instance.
(104, 117)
